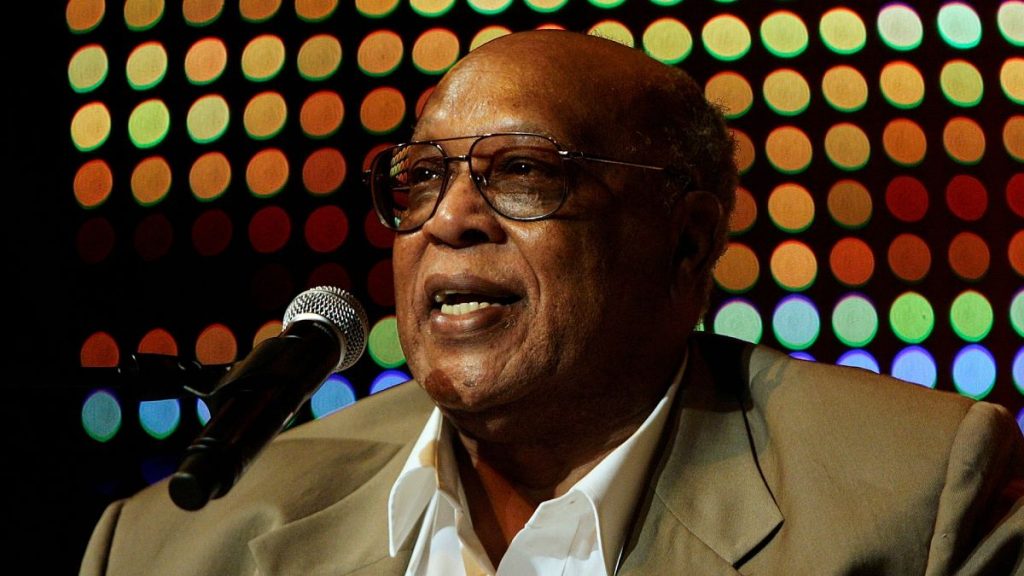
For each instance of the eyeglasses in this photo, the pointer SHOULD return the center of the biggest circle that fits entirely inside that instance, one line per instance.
(522, 176)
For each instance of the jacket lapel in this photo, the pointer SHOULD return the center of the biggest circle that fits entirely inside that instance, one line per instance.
(709, 508)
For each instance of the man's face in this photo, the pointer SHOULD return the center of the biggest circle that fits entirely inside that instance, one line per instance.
(574, 302)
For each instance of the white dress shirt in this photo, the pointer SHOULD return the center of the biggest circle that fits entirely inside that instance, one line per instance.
(581, 532)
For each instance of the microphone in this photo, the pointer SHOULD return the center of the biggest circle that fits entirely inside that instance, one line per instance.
(147, 376)
(324, 331)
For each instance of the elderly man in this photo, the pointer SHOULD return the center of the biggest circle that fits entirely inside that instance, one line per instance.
(557, 218)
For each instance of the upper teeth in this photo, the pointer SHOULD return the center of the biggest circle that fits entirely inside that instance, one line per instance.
(463, 308)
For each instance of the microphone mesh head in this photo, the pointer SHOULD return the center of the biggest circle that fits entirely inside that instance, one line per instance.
(340, 309)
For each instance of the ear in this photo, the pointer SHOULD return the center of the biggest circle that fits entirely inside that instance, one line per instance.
(696, 218)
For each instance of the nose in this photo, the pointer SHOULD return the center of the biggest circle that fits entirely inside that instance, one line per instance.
(462, 217)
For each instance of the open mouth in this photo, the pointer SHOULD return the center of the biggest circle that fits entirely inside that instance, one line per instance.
(458, 303)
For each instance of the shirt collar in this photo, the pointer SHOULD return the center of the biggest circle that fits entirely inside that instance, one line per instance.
(612, 487)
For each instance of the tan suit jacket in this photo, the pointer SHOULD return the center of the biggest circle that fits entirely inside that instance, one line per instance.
(769, 466)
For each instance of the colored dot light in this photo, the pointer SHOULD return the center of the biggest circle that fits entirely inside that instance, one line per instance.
(916, 365)
(490, 7)
(844, 88)
(911, 317)
(974, 371)
(852, 261)
(904, 142)
(726, 37)
(90, 127)
(1018, 370)
(842, 30)
(902, 84)
(160, 418)
(263, 58)
(88, 68)
(744, 213)
(431, 8)
(789, 149)
(961, 83)
(101, 416)
(784, 34)
(1017, 312)
(796, 323)
(383, 344)
(141, 15)
(84, 15)
(859, 359)
(731, 92)
(546, 6)
(959, 25)
(319, 57)
(149, 123)
(1011, 79)
(376, 8)
(208, 118)
(791, 207)
(1010, 21)
(786, 92)
(739, 319)
(855, 321)
(847, 146)
(667, 40)
(146, 66)
(738, 269)
(435, 51)
(793, 265)
(315, 10)
(850, 204)
(387, 379)
(334, 394)
(971, 316)
(900, 27)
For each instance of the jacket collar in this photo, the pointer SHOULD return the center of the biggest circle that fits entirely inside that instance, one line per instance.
(709, 504)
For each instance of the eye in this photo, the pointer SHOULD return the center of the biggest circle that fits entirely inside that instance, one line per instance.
(423, 174)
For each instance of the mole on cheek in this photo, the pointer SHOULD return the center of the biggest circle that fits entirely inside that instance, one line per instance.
(440, 387)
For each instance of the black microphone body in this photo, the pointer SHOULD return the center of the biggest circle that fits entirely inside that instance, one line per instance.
(146, 376)
(260, 395)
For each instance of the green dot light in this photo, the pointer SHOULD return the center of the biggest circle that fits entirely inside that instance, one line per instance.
(784, 34)
(739, 319)
(88, 68)
(383, 344)
(961, 83)
(855, 321)
(959, 25)
(912, 318)
(971, 316)
(1017, 313)
(149, 123)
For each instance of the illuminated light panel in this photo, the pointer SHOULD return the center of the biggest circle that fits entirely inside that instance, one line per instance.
(93, 183)
(486, 35)
(1018, 377)
(383, 344)
(149, 123)
(154, 237)
(855, 321)
(744, 213)
(212, 232)
(1017, 313)
(151, 181)
(324, 171)
(158, 341)
(852, 262)
(160, 418)
(844, 88)
(1015, 251)
(376, 8)
(1011, 79)
(850, 204)
(202, 412)
(201, 12)
(208, 118)
(95, 240)
(380, 283)
(319, 57)
(666, 2)
(387, 379)
(904, 142)
(326, 229)
(209, 176)
(84, 15)
(546, 6)
(745, 152)
(793, 265)
(380, 53)
(966, 197)
(431, 8)
(847, 146)
(613, 30)
(435, 51)
(959, 25)
(315, 10)
(731, 92)
(490, 7)
(321, 114)
(906, 198)
(265, 115)
(974, 371)
(206, 61)
(842, 31)
(376, 233)
(329, 274)
(263, 58)
(269, 230)
(1015, 193)
(1013, 137)
(911, 317)
(142, 14)
(909, 257)
(382, 110)
(101, 416)
(964, 140)
(796, 323)
(726, 37)
(258, 10)
(667, 40)
(971, 316)
(739, 319)
(902, 84)
(859, 359)
(791, 207)
(267, 172)
(333, 395)
(916, 365)
(606, 4)
(99, 350)
(90, 126)
(88, 68)
(789, 149)
(961, 83)
(786, 92)
(1010, 21)
(146, 66)
(968, 256)
(801, 355)
(784, 34)
(216, 344)
(738, 269)
(900, 27)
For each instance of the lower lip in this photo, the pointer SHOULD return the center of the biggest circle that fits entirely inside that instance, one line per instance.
(473, 323)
